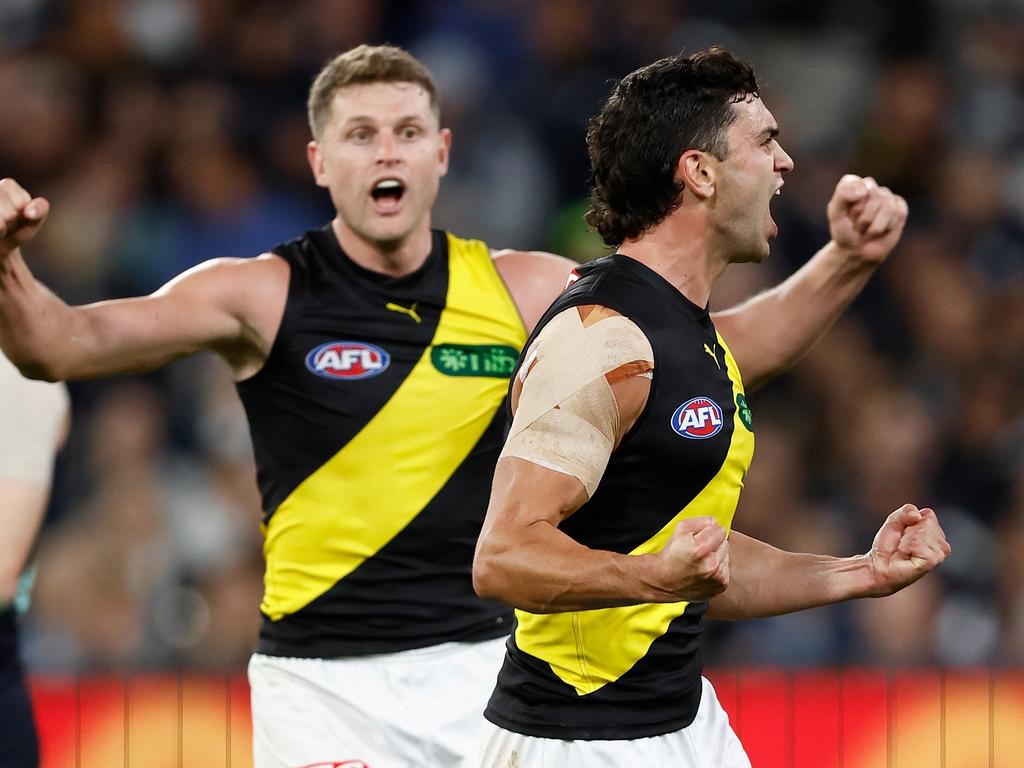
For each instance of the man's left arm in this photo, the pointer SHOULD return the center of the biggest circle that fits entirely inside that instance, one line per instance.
(768, 333)
(765, 581)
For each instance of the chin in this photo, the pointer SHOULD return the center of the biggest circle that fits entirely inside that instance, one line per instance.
(753, 255)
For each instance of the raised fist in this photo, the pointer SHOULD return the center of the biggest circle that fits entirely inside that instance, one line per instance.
(21, 215)
(866, 219)
(908, 545)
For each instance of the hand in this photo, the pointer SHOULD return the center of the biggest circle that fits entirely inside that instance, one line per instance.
(694, 564)
(21, 215)
(865, 219)
(906, 547)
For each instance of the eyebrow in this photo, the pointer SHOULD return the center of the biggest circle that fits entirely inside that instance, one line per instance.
(367, 119)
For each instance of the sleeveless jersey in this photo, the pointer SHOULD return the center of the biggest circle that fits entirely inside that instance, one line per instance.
(634, 671)
(376, 423)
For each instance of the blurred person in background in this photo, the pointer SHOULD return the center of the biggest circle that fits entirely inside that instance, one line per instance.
(630, 437)
(33, 423)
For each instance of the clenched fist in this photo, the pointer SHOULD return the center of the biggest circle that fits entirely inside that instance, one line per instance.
(21, 215)
(906, 547)
(865, 219)
(694, 564)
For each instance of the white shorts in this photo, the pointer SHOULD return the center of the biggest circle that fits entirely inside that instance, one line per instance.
(708, 742)
(411, 709)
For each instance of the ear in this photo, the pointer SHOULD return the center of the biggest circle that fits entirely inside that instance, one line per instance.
(444, 150)
(697, 172)
(316, 163)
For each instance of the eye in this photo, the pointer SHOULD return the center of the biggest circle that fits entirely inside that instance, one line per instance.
(410, 132)
(360, 135)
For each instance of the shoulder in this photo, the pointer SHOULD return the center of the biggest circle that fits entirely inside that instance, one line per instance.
(514, 262)
(599, 329)
(534, 280)
(582, 344)
(233, 277)
(251, 291)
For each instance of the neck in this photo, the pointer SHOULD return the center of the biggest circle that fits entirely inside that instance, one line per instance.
(394, 258)
(680, 249)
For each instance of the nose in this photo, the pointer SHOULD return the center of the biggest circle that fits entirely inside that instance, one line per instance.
(387, 147)
(783, 162)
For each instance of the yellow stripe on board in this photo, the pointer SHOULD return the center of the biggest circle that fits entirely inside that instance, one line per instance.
(590, 649)
(370, 490)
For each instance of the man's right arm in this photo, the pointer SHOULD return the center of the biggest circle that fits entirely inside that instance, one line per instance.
(231, 306)
(581, 388)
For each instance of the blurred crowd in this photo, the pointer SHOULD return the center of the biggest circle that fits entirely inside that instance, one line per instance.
(167, 132)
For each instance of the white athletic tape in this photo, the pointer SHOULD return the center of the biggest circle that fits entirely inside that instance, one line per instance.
(567, 418)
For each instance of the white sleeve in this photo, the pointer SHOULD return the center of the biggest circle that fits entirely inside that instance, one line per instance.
(32, 415)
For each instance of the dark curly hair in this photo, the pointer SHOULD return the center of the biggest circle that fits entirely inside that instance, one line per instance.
(652, 116)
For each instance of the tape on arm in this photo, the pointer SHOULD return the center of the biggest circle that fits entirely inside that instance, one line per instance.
(567, 418)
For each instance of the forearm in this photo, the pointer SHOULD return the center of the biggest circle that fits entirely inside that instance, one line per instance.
(524, 559)
(766, 581)
(35, 325)
(546, 571)
(768, 333)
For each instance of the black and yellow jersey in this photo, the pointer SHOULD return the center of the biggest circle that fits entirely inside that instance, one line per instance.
(634, 672)
(376, 423)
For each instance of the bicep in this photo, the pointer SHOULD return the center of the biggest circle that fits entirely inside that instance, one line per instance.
(525, 493)
(206, 307)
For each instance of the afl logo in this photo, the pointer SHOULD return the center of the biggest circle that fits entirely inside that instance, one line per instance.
(697, 419)
(348, 360)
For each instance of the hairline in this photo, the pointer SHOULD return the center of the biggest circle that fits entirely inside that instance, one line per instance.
(433, 102)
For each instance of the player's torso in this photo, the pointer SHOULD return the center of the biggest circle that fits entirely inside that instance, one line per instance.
(633, 672)
(376, 422)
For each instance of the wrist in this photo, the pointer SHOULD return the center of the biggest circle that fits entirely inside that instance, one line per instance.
(647, 572)
(851, 257)
(854, 577)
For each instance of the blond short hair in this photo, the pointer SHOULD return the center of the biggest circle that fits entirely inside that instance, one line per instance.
(366, 64)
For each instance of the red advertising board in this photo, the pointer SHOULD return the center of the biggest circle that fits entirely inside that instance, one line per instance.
(821, 719)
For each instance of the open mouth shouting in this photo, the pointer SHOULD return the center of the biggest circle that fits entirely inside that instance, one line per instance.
(387, 195)
(774, 227)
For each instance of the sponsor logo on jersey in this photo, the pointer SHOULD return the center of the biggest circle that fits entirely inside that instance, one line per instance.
(745, 413)
(392, 306)
(493, 360)
(350, 360)
(698, 419)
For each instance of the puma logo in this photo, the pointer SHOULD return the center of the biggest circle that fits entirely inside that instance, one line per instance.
(410, 311)
(714, 354)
